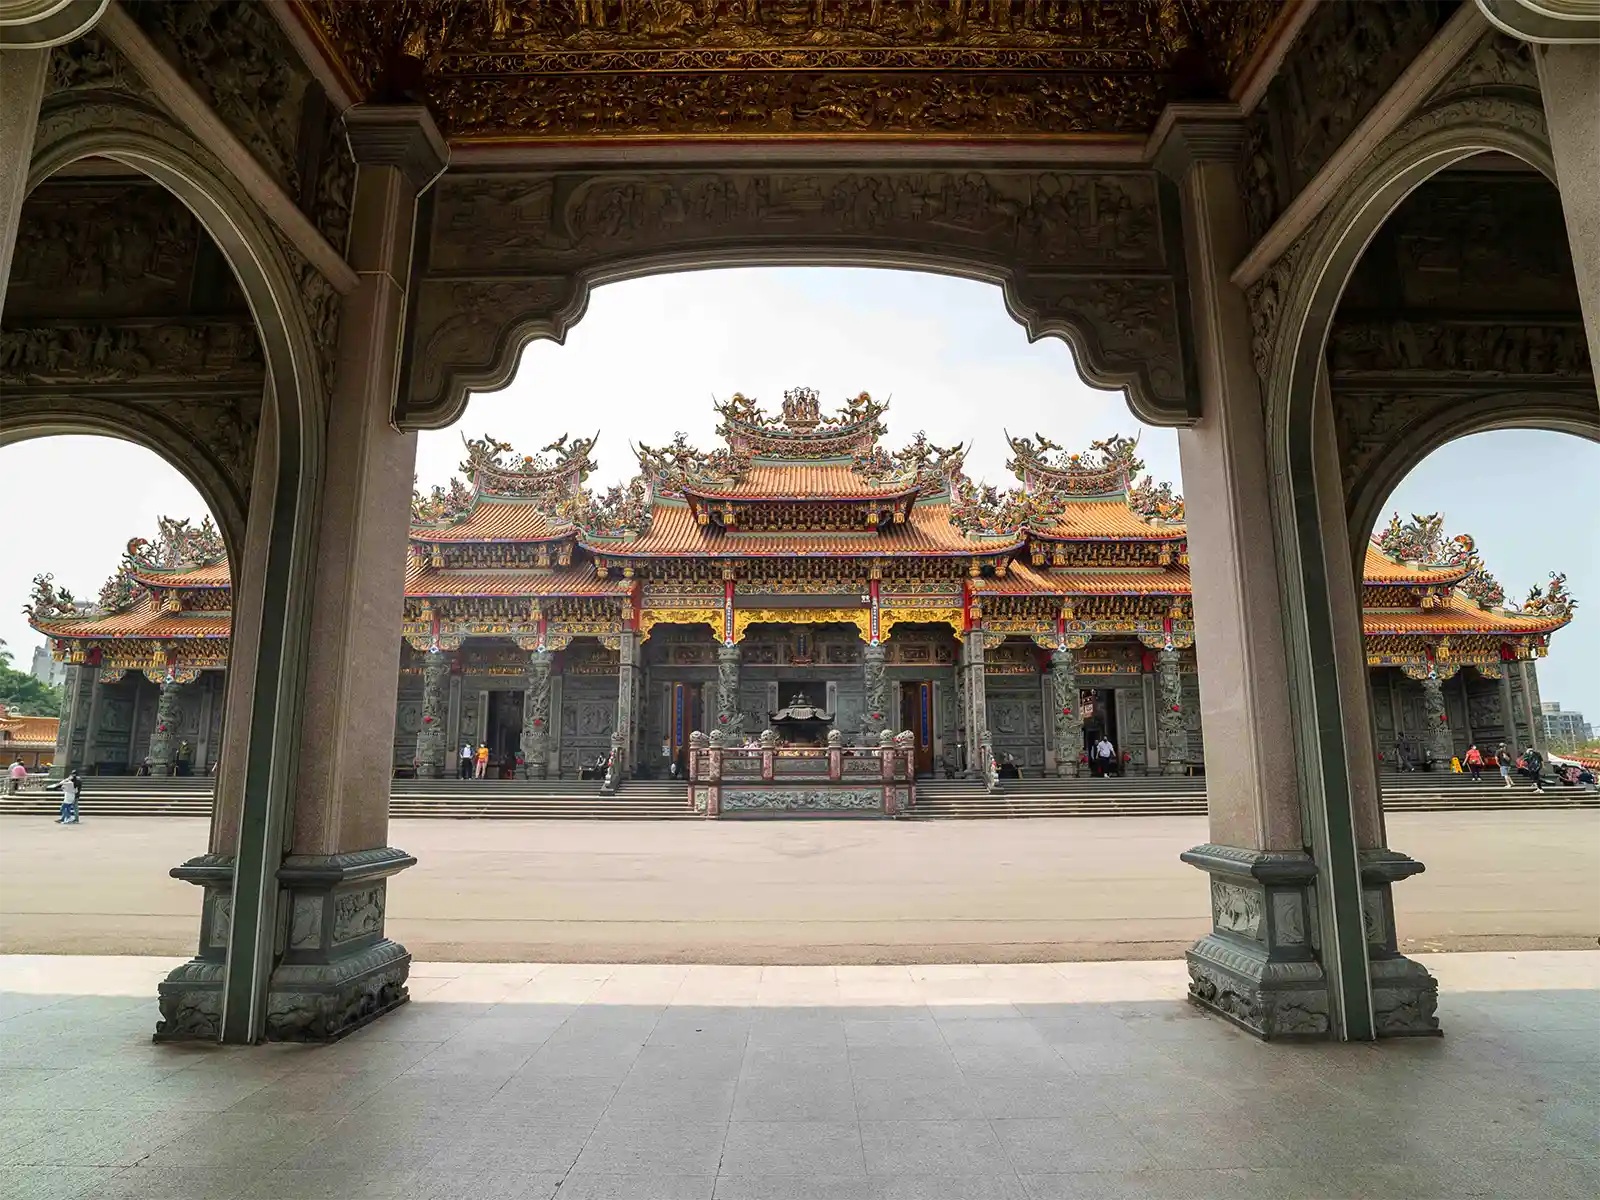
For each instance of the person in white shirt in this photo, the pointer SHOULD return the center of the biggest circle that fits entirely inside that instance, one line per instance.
(1105, 754)
(466, 761)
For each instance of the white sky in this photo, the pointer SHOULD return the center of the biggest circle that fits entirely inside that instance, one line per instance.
(650, 354)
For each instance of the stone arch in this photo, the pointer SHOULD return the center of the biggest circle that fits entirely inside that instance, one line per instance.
(1292, 310)
(1089, 256)
(273, 569)
(1370, 491)
(160, 436)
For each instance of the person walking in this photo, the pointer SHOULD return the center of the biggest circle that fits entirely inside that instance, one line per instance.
(1475, 762)
(483, 760)
(16, 777)
(71, 789)
(466, 761)
(1533, 766)
(1105, 755)
(1502, 758)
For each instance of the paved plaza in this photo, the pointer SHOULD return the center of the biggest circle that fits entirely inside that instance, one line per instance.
(803, 891)
(840, 1083)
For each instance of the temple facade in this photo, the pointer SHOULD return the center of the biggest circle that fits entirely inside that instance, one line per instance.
(799, 579)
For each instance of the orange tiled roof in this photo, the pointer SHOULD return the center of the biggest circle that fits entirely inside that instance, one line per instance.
(674, 531)
(143, 620)
(214, 576)
(1380, 568)
(32, 733)
(1021, 579)
(1109, 519)
(423, 580)
(497, 520)
(829, 480)
(1457, 615)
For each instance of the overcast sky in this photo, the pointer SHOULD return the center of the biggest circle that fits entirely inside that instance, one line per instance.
(649, 356)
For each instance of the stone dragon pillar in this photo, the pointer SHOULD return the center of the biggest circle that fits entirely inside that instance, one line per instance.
(727, 689)
(164, 737)
(1440, 740)
(627, 707)
(1170, 727)
(430, 733)
(875, 692)
(535, 744)
(1067, 715)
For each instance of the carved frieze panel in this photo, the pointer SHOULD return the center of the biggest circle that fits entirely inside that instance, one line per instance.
(92, 249)
(618, 68)
(1082, 254)
(149, 351)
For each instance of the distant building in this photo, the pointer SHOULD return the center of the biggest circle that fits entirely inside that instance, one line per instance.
(1564, 728)
(45, 667)
(31, 739)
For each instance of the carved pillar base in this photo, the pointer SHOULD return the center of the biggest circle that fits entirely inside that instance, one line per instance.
(191, 996)
(1259, 967)
(338, 971)
(1405, 998)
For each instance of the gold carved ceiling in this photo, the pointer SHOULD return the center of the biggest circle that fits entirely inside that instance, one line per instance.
(526, 70)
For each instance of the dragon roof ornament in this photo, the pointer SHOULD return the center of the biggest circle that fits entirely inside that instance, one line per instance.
(1551, 600)
(179, 546)
(670, 468)
(562, 466)
(47, 602)
(983, 510)
(920, 464)
(1105, 469)
(1422, 540)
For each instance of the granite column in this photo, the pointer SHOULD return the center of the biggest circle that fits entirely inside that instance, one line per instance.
(1067, 714)
(535, 744)
(432, 752)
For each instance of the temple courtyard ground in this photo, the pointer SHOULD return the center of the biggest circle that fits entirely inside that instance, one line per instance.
(662, 1082)
(797, 892)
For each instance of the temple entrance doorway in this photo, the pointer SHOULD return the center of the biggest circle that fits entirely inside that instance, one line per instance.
(503, 733)
(916, 715)
(1099, 708)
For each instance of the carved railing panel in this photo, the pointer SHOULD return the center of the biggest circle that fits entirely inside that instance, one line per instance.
(1086, 255)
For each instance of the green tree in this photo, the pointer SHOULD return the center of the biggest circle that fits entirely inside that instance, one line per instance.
(21, 693)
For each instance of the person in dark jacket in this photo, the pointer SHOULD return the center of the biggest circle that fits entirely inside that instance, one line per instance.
(1531, 765)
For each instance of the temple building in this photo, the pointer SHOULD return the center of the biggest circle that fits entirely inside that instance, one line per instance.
(803, 578)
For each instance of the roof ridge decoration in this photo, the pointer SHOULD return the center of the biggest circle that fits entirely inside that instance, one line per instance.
(921, 463)
(668, 468)
(1104, 470)
(983, 510)
(179, 546)
(47, 602)
(1422, 540)
(1551, 600)
(799, 430)
(554, 475)
(620, 511)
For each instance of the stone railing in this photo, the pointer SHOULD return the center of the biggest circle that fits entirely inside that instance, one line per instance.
(771, 778)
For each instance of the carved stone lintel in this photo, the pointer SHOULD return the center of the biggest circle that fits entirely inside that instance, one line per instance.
(1083, 255)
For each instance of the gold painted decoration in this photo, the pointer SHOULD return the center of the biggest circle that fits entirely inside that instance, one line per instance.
(898, 614)
(499, 70)
(743, 618)
(651, 617)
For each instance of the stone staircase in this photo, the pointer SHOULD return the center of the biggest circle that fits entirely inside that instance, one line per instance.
(664, 799)
(539, 799)
(1148, 796)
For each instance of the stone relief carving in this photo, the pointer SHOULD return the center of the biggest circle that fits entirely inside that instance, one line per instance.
(1372, 918)
(321, 304)
(535, 744)
(800, 800)
(1496, 62)
(183, 350)
(1236, 908)
(536, 241)
(357, 913)
(91, 63)
(1345, 58)
(1288, 919)
(305, 923)
(1170, 727)
(87, 249)
(1458, 349)
(237, 57)
(333, 189)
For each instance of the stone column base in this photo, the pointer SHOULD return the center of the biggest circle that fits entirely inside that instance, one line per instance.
(1256, 967)
(338, 971)
(1259, 967)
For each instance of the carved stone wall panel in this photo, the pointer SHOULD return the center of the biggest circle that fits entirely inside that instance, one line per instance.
(88, 249)
(1083, 254)
(91, 63)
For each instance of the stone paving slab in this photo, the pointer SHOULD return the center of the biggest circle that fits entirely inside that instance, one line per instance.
(803, 891)
(932, 1082)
